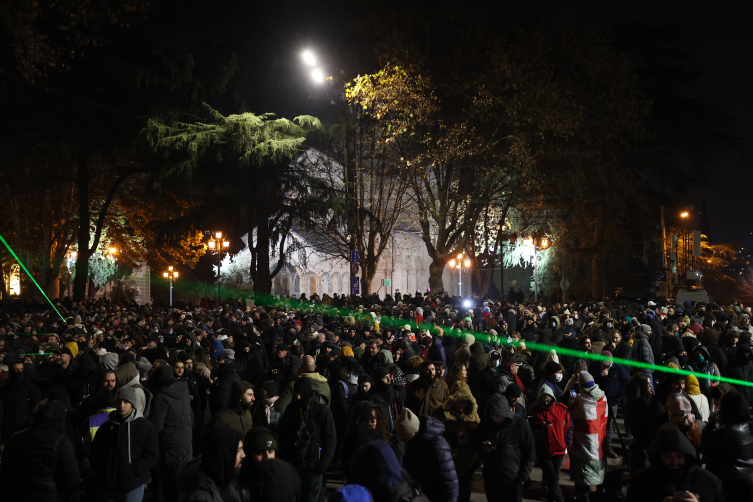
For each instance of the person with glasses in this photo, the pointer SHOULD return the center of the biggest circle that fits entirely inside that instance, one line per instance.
(680, 411)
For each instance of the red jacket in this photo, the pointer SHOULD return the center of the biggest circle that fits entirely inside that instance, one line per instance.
(552, 440)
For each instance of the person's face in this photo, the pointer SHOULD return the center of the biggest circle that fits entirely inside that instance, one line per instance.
(373, 350)
(616, 338)
(321, 337)
(258, 456)
(513, 401)
(586, 344)
(124, 407)
(188, 366)
(17, 368)
(152, 345)
(673, 460)
(178, 369)
(677, 387)
(463, 372)
(64, 359)
(108, 381)
(546, 399)
(370, 419)
(734, 340)
(364, 387)
(248, 397)
(681, 414)
(387, 378)
(239, 456)
(430, 371)
(281, 353)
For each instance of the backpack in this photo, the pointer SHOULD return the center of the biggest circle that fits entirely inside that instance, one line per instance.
(347, 389)
(306, 443)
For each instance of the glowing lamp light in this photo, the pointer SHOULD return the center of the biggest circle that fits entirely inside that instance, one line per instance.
(545, 242)
(467, 263)
(170, 268)
(225, 244)
(467, 304)
(452, 263)
(165, 274)
(175, 274)
(113, 251)
(528, 241)
(218, 235)
(685, 214)
(309, 58)
(211, 244)
(317, 75)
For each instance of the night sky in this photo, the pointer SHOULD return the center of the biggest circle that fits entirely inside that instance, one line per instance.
(717, 39)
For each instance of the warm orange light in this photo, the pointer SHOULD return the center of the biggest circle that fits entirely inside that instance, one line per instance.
(545, 242)
(452, 263)
(460, 256)
(467, 263)
(175, 274)
(225, 244)
(685, 214)
(218, 235)
(170, 268)
(165, 274)
(211, 244)
(113, 251)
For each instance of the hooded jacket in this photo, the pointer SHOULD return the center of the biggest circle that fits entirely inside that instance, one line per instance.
(171, 412)
(123, 454)
(428, 458)
(459, 427)
(730, 447)
(554, 439)
(479, 360)
(207, 477)
(463, 354)
(741, 368)
(514, 453)
(436, 351)
(18, 398)
(318, 382)
(656, 482)
(376, 467)
(38, 463)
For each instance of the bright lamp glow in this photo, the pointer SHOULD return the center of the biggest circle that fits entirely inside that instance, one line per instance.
(309, 58)
(175, 274)
(460, 256)
(225, 244)
(528, 241)
(211, 244)
(317, 75)
(170, 268)
(685, 214)
(467, 263)
(452, 263)
(113, 251)
(218, 235)
(467, 304)
(165, 274)
(544, 242)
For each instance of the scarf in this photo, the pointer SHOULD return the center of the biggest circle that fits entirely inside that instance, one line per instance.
(268, 404)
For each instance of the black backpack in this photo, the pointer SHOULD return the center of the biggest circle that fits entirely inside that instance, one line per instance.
(305, 451)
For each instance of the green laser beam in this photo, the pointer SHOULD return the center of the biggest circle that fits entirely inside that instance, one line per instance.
(30, 276)
(293, 304)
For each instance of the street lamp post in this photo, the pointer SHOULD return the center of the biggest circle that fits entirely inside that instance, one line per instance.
(220, 245)
(172, 275)
(71, 257)
(113, 252)
(537, 244)
(462, 265)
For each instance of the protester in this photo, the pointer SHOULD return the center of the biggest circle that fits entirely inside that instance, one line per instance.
(208, 477)
(550, 421)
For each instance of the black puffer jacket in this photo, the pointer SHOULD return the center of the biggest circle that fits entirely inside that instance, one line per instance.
(123, 453)
(171, 413)
(742, 369)
(428, 459)
(39, 463)
(730, 447)
(654, 483)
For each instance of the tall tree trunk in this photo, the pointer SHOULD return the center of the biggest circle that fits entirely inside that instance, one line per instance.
(84, 216)
(436, 269)
(597, 263)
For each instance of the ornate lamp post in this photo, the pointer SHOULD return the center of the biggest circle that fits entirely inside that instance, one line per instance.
(219, 245)
(171, 275)
(461, 265)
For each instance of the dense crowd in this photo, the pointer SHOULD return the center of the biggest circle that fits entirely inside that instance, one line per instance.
(398, 399)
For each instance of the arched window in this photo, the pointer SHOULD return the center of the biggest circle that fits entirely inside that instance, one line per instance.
(297, 284)
(326, 285)
(336, 284)
(312, 286)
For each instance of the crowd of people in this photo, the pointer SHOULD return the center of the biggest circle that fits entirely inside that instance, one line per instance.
(398, 399)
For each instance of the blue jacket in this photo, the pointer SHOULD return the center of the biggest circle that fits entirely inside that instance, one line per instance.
(428, 459)
(436, 351)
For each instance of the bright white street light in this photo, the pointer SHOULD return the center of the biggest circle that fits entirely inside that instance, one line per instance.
(317, 75)
(309, 58)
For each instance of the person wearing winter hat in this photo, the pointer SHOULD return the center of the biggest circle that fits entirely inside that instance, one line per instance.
(376, 467)
(550, 421)
(693, 389)
(428, 457)
(259, 444)
(507, 464)
(426, 394)
(237, 415)
(553, 376)
(612, 379)
(588, 410)
(124, 451)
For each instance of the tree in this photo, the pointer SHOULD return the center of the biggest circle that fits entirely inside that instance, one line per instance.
(260, 148)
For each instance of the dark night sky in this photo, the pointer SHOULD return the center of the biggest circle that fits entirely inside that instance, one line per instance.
(718, 41)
